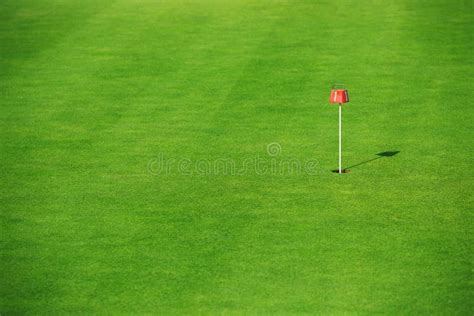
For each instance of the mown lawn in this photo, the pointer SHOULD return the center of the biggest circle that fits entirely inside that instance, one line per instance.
(95, 95)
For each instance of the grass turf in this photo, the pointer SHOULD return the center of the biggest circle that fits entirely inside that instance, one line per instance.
(93, 91)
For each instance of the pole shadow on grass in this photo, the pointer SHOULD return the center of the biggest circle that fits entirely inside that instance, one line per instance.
(379, 155)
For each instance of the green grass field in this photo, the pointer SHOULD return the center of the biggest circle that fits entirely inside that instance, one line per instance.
(94, 93)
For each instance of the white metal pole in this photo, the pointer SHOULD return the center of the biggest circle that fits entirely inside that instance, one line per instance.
(340, 139)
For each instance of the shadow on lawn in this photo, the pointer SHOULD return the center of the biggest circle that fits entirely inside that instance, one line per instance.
(379, 155)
